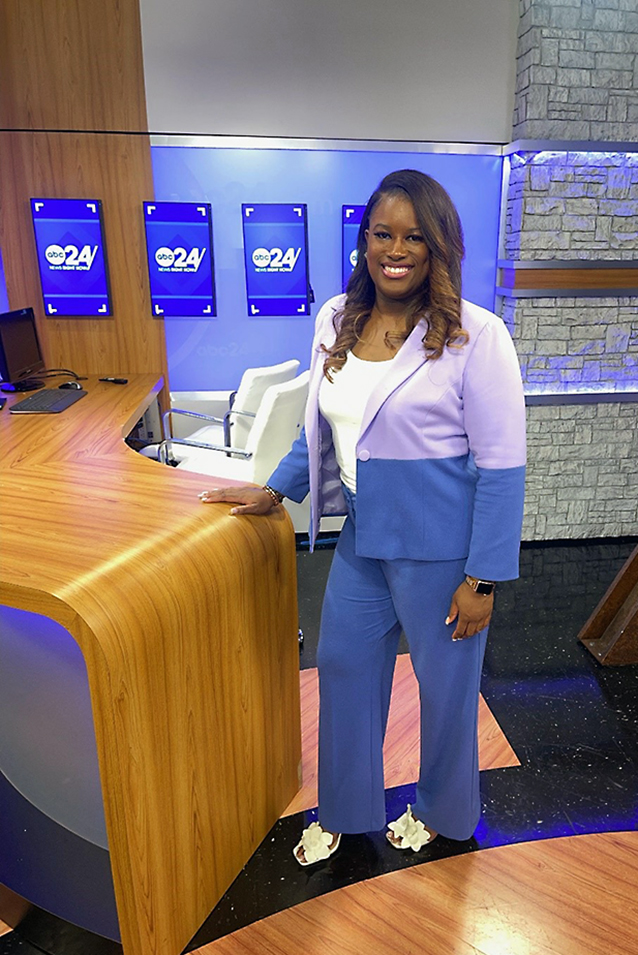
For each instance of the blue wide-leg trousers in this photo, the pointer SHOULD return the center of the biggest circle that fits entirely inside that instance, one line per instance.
(367, 603)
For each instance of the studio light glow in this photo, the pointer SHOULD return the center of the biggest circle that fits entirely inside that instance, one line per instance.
(550, 157)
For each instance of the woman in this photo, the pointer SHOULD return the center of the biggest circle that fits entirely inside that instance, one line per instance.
(415, 427)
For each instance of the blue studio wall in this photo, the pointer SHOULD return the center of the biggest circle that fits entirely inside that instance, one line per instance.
(213, 353)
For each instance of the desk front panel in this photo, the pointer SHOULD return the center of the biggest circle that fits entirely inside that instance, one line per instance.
(186, 619)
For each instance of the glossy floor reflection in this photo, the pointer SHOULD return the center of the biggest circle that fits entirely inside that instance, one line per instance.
(481, 903)
(572, 723)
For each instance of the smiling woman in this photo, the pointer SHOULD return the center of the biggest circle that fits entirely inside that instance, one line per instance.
(414, 428)
(397, 256)
(409, 254)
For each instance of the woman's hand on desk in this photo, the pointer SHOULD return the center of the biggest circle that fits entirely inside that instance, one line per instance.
(473, 611)
(250, 500)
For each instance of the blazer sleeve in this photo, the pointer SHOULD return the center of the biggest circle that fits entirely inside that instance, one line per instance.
(494, 417)
(291, 477)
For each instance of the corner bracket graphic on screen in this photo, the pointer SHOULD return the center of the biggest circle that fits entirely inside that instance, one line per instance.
(179, 248)
(351, 217)
(69, 236)
(276, 258)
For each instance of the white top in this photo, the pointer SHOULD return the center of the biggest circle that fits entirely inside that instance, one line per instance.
(342, 404)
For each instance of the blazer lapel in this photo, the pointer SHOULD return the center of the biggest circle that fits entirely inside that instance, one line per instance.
(327, 338)
(410, 357)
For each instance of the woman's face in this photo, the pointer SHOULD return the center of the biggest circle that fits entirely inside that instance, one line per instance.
(397, 257)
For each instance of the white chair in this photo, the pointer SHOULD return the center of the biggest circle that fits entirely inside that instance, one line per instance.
(230, 415)
(276, 425)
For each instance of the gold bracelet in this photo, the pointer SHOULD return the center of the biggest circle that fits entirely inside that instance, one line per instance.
(275, 495)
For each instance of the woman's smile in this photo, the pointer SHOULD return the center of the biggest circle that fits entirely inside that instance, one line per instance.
(397, 255)
(396, 271)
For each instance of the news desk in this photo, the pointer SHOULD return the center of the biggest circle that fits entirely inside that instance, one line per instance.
(186, 623)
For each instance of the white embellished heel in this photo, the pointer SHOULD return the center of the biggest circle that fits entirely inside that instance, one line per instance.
(407, 832)
(315, 842)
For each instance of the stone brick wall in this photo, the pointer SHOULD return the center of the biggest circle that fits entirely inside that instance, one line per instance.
(577, 70)
(583, 471)
(573, 205)
(577, 80)
(569, 343)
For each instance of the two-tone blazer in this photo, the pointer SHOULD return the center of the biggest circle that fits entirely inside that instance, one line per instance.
(440, 455)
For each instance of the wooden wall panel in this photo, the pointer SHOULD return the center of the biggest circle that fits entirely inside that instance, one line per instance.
(71, 64)
(117, 170)
(73, 115)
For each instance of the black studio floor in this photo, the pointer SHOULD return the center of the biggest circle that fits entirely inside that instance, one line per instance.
(572, 723)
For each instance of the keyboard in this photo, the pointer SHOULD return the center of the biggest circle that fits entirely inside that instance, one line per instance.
(47, 401)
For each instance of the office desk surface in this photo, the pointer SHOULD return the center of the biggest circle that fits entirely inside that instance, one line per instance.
(92, 427)
(187, 621)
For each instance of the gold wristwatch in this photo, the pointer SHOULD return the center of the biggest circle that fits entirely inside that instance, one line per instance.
(485, 587)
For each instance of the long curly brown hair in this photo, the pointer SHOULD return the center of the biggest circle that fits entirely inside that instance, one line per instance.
(440, 301)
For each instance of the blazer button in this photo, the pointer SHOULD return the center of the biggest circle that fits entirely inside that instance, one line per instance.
(364, 455)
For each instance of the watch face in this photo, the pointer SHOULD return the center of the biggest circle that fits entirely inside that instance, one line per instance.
(484, 588)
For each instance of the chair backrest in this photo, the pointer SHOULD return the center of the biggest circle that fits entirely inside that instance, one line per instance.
(248, 397)
(255, 381)
(277, 424)
(252, 388)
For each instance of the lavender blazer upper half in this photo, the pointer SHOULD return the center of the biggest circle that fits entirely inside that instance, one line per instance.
(440, 455)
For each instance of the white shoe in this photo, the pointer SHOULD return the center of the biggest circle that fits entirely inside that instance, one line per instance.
(407, 832)
(315, 842)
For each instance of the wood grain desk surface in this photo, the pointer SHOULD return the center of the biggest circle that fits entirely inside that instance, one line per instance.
(187, 620)
(75, 496)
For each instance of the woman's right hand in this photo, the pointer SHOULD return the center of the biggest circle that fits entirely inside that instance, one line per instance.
(251, 500)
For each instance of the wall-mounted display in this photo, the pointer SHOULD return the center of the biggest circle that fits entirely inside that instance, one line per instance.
(351, 217)
(276, 258)
(179, 247)
(69, 237)
(207, 355)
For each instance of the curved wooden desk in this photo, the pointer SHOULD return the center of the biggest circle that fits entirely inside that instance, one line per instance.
(187, 622)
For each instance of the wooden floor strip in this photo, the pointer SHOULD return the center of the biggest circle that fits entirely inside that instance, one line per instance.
(401, 751)
(569, 896)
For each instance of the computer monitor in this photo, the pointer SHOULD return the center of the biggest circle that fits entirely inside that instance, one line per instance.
(20, 352)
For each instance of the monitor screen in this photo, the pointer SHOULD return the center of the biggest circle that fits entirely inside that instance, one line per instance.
(276, 258)
(69, 236)
(179, 247)
(20, 353)
(351, 217)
